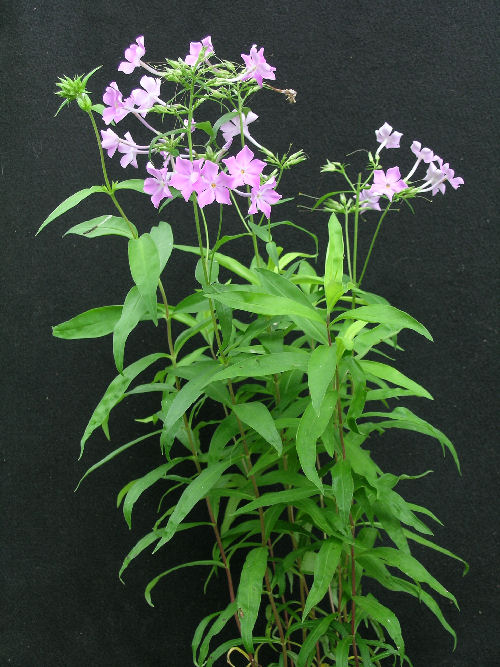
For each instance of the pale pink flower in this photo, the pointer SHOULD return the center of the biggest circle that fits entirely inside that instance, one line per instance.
(133, 56)
(148, 95)
(130, 150)
(368, 201)
(424, 154)
(387, 183)
(387, 138)
(117, 107)
(158, 185)
(215, 185)
(186, 177)
(263, 197)
(256, 66)
(110, 141)
(232, 128)
(195, 50)
(244, 169)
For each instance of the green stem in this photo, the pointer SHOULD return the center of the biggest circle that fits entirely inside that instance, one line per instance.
(346, 227)
(356, 221)
(365, 265)
(109, 187)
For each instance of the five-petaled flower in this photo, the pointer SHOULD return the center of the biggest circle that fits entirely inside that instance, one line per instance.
(157, 186)
(244, 169)
(368, 201)
(263, 197)
(387, 138)
(195, 50)
(256, 66)
(387, 183)
(186, 177)
(133, 56)
(215, 185)
(148, 95)
(117, 107)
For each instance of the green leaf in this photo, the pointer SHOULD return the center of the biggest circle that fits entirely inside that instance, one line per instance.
(117, 451)
(390, 374)
(311, 428)
(343, 487)
(358, 398)
(412, 568)
(115, 392)
(374, 609)
(134, 309)
(334, 263)
(104, 225)
(384, 314)
(90, 324)
(268, 364)
(320, 372)
(250, 591)
(131, 184)
(257, 416)
(287, 497)
(144, 261)
(218, 625)
(140, 485)
(142, 544)
(324, 571)
(153, 582)
(342, 652)
(164, 240)
(191, 495)
(266, 304)
(190, 392)
(436, 547)
(308, 647)
(69, 203)
(227, 262)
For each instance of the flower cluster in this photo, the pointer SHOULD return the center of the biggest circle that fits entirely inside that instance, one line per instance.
(203, 176)
(390, 182)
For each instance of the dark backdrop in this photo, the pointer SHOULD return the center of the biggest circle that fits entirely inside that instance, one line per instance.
(428, 69)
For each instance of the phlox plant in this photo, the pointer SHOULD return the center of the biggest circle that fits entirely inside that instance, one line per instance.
(273, 376)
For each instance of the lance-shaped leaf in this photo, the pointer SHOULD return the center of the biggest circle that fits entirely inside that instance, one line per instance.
(104, 225)
(334, 263)
(266, 304)
(153, 582)
(164, 240)
(391, 374)
(372, 608)
(136, 184)
(70, 202)
(311, 428)
(191, 495)
(257, 416)
(385, 314)
(309, 646)
(144, 261)
(358, 397)
(286, 497)
(134, 308)
(140, 485)
(320, 372)
(217, 626)
(324, 571)
(250, 591)
(266, 364)
(114, 393)
(92, 323)
(343, 487)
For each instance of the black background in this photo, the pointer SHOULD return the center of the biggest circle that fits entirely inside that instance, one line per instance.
(429, 70)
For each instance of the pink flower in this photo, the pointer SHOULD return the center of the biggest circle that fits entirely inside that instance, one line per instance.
(158, 185)
(424, 154)
(195, 50)
(368, 201)
(263, 197)
(386, 139)
(244, 169)
(256, 66)
(436, 177)
(130, 150)
(110, 141)
(133, 56)
(215, 185)
(387, 183)
(232, 128)
(147, 96)
(117, 109)
(187, 177)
